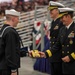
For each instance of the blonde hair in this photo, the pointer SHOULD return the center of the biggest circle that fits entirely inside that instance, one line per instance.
(9, 17)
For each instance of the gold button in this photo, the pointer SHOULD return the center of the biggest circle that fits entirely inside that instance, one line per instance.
(62, 51)
(67, 51)
(67, 45)
(53, 42)
(62, 45)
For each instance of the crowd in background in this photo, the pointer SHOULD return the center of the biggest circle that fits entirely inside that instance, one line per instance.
(21, 5)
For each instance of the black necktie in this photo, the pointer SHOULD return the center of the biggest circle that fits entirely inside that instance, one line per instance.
(66, 29)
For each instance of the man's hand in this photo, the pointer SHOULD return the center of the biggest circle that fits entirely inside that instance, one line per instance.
(42, 54)
(66, 59)
(30, 53)
(15, 73)
(36, 54)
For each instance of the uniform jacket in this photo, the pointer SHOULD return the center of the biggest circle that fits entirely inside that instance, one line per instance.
(10, 49)
(55, 27)
(66, 44)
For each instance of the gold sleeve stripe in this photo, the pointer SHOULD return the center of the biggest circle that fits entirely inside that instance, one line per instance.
(73, 55)
(49, 53)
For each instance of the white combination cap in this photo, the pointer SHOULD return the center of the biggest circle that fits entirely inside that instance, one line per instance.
(12, 12)
(53, 5)
(64, 11)
(26, 0)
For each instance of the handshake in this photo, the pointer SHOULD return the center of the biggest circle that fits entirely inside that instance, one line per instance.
(36, 54)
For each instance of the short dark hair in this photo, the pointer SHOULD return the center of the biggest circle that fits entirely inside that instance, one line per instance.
(71, 14)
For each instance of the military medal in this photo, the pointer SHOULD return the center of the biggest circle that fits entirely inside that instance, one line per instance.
(71, 35)
(71, 42)
(56, 27)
